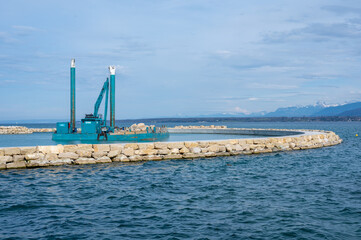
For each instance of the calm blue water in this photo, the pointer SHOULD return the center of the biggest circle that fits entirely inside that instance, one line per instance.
(311, 194)
(42, 139)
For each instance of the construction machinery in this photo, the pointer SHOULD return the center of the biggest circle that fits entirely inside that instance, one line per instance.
(94, 127)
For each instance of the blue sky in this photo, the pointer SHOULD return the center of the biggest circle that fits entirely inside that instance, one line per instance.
(178, 58)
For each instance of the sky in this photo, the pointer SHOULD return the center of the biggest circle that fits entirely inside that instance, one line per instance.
(178, 58)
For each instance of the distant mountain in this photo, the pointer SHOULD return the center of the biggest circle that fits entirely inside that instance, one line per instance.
(235, 114)
(352, 113)
(220, 115)
(319, 110)
(306, 111)
(339, 110)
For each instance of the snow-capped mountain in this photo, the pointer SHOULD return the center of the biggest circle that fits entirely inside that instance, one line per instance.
(318, 110)
(341, 110)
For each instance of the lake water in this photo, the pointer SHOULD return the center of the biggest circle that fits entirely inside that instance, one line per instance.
(41, 139)
(309, 194)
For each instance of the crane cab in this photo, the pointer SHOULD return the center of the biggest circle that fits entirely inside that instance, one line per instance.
(91, 124)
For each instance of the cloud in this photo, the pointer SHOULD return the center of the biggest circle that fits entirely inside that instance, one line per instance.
(10, 36)
(240, 110)
(266, 98)
(25, 28)
(267, 68)
(317, 32)
(122, 46)
(224, 53)
(320, 76)
(7, 82)
(121, 69)
(258, 61)
(341, 10)
(272, 86)
(23, 31)
(7, 38)
(244, 64)
(327, 86)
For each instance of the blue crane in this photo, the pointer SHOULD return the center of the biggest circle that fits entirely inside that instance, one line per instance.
(105, 89)
(93, 126)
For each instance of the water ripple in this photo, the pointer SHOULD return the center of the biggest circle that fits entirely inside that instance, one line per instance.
(312, 194)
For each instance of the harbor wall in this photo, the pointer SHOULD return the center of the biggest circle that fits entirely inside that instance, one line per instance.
(42, 156)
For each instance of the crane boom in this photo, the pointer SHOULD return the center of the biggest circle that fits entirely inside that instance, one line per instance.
(105, 89)
(106, 104)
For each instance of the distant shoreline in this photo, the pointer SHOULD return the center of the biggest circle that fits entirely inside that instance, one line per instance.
(211, 119)
(254, 119)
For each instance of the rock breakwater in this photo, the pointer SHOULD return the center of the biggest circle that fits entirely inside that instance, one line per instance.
(201, 126)
(23, 130)
(14, 130)
(42, 156)
(42, 130)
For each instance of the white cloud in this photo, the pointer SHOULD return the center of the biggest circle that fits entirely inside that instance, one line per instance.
(272, 86)
(121, 69)
(25, 28)
(7, 81)
(224, 53)
(241, 110)
(7, 38)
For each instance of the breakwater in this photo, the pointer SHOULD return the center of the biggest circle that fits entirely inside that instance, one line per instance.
(23, 130)
(138, 128)
(42, 156)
